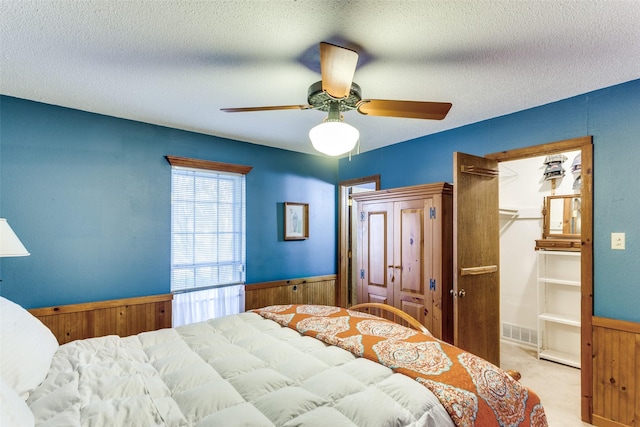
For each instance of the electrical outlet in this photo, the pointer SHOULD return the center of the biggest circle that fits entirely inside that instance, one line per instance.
(617, 241)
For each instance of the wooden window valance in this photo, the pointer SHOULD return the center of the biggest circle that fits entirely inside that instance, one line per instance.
(208, 165)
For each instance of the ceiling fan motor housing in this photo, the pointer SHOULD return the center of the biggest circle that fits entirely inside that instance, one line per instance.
(322, 100)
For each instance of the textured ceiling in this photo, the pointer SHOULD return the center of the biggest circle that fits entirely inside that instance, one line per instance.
(176, 63)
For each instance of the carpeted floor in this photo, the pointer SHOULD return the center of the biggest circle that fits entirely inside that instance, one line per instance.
(557, 385)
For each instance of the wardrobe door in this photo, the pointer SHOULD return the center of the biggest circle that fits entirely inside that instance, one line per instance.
(412, 243)
(375, 266)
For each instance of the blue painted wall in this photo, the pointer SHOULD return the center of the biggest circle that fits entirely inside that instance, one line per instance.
(89, 196)
(611, 116)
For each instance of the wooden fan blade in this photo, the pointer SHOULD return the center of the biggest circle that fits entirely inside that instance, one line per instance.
(337, 66)
(275, 107)
(408, 109)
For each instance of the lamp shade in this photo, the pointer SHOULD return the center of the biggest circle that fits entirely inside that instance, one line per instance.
(334, 137)
(10, 245)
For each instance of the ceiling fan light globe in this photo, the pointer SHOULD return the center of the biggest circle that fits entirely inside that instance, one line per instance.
(334, 138)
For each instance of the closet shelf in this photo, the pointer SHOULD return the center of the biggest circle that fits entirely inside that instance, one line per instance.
(508, 211)
(559, 281)
(561, 357)
(559, 318)
(530, 212)
(561, 253)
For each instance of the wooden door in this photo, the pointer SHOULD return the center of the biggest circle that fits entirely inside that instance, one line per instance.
(375, 266)
(412, 257)
(476, 240)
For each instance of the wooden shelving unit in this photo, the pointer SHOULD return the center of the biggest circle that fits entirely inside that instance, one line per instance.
(559, 306)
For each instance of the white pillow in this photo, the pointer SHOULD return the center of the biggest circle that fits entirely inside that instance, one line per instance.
(14, 411)
(26, 348)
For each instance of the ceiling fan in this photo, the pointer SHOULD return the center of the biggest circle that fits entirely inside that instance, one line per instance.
(337, 92)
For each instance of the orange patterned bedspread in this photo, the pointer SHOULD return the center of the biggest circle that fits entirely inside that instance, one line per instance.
(473, 391)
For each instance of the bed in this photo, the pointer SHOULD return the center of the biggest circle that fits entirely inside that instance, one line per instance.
(289, 365)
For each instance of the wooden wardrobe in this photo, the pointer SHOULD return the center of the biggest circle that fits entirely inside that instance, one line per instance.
(404, 252)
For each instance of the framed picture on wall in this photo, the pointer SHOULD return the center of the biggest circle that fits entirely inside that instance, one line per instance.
(296, 221)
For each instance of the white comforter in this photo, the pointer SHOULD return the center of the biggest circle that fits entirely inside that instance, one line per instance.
(240, 370)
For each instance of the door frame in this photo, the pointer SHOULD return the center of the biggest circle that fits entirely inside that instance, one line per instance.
(342, 298)
(585, 145)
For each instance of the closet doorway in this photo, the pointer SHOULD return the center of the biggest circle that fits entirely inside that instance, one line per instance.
(345, 289)
(582, 145)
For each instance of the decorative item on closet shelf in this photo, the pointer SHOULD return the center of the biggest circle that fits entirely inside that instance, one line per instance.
(558, 245)
(561, 223)
(296, 221)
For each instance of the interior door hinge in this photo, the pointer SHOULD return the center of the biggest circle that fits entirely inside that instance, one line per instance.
(432, 284)
(350, 201)
(432, 213)
(362, 274)
(362, 216)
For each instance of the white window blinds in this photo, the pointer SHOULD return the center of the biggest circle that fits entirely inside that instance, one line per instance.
(207, 229)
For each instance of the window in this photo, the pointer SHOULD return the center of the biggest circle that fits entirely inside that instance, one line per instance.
(207, 237)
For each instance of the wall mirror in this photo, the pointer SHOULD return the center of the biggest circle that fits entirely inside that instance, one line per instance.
(562, 216)
(561, 223)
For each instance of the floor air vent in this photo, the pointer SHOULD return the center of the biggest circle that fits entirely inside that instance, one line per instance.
(519, 334)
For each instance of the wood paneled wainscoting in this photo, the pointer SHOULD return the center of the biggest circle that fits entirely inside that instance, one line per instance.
(122, 317)
(319, 290)
(616, 373)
